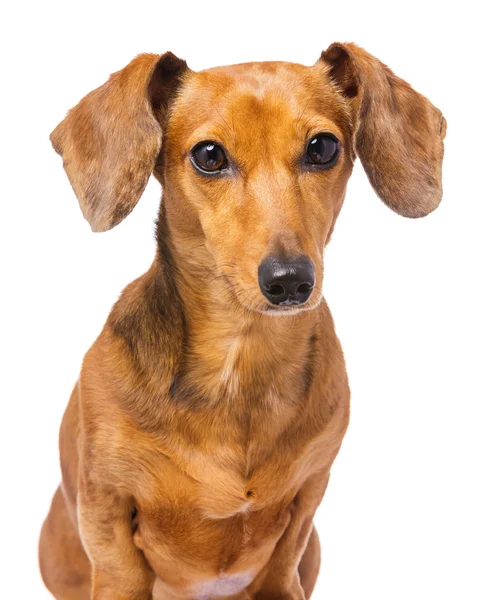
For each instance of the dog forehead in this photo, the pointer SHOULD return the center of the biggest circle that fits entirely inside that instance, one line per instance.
(261, 78)
(247, 94)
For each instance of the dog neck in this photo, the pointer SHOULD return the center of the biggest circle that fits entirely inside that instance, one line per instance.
(232, 352)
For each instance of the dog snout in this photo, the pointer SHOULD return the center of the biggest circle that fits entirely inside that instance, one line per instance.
(288, 281)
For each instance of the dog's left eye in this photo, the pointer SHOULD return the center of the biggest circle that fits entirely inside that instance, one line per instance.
(322, 150)
(209, 157)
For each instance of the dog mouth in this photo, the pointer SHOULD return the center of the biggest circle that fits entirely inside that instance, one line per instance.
(292, 308)
(289, 306)
(285, 309)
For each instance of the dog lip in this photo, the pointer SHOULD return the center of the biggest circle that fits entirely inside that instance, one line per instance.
(286, 306)
(293, 308)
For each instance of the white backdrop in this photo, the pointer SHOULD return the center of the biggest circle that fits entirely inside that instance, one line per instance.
(410, 512)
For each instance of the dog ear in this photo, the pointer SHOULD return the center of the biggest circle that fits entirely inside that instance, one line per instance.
(398, 132)
(110, 141)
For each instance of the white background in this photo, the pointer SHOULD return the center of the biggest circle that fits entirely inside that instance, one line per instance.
(411, 508)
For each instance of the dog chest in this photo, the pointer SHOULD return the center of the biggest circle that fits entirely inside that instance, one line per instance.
(206, 546)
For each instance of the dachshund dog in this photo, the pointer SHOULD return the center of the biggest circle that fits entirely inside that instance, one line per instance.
(198, 440)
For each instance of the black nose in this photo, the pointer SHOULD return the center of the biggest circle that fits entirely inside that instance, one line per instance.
(286, 281)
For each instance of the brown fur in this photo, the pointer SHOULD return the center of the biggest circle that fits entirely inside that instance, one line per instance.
(198, 441)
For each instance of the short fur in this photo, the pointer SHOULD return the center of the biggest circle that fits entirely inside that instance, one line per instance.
(198, 441)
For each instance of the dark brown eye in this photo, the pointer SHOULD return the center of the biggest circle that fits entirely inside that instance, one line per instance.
(322, 150)
(209, 157)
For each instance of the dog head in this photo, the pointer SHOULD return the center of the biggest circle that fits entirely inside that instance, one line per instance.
(254, 159)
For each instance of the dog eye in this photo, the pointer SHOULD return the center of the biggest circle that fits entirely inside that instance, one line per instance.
(209, 157)
(322, 150)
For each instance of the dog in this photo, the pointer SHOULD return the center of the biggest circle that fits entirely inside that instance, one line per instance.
(198, 440)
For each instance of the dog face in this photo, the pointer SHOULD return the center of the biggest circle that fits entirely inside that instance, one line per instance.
(257, 157)
(254, 159)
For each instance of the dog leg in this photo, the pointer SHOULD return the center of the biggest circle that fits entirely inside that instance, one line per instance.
(119, 568)
(309, 564)
(297, 552)
(64, 566)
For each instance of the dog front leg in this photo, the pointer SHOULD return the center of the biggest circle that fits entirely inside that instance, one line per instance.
(119, 568)
(281, 580)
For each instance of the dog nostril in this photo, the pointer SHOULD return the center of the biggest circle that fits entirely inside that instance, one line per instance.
(275, 290)
(304, 288)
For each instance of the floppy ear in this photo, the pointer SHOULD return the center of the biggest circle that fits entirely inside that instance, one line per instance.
(398, 132)
(110, 141)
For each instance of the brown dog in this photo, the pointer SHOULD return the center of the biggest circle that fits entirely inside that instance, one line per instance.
(199, 438)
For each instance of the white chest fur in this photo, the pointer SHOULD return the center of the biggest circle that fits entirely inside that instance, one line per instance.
(225, 585)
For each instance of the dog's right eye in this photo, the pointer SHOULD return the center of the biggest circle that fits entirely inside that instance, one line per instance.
(209, 157)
